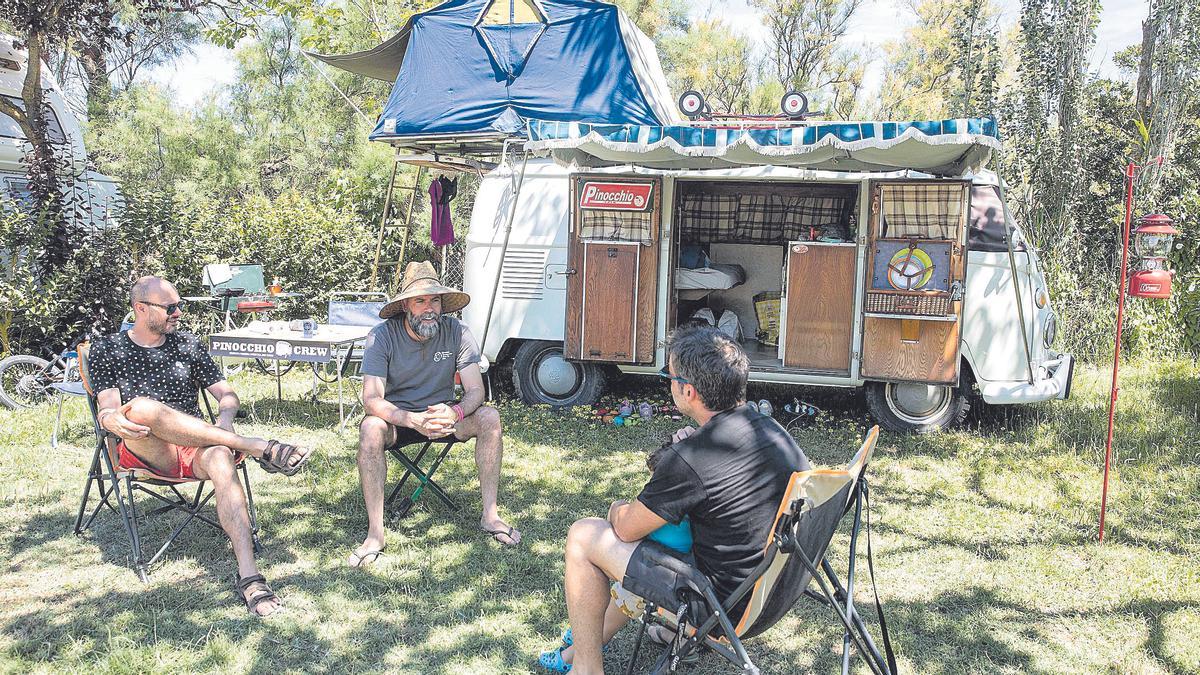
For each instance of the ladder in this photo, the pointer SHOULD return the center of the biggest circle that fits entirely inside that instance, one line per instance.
(388, 223)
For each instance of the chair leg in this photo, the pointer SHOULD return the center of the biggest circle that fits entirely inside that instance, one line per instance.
(637, 644)
(128, 508)
(94, 476)
(250, 508)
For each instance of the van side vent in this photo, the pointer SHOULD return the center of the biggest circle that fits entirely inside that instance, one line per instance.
(524, 275)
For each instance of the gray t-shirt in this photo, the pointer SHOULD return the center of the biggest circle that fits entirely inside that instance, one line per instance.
(418, 374)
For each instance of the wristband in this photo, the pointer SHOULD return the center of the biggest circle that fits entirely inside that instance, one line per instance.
(458, 409)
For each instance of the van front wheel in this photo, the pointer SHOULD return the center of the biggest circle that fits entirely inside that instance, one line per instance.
(913, 407)
(542, 375)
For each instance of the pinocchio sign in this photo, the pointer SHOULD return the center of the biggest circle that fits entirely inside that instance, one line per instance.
(600, 196)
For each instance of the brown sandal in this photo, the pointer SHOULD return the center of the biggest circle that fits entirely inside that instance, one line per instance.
(276, 456)
(254, 591)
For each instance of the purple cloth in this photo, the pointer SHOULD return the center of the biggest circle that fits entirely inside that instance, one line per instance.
(441, 231)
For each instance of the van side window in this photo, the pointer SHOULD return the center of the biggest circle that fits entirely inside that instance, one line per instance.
(10, 129)
(986, 232)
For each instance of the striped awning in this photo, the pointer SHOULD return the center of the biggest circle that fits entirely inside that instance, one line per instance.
(945, 147)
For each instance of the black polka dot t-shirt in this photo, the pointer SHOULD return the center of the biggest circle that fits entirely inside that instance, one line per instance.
(172, 373)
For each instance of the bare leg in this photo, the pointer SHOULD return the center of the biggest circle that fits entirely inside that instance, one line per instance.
(374, 435)
(594, 556)
(614, 620)
(215, 464)
(169, 426)
(484, 426)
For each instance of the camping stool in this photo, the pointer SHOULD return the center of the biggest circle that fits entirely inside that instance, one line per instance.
(412, 467)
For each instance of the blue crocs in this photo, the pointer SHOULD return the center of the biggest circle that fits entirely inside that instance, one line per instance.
(568, 638)
(553, 661)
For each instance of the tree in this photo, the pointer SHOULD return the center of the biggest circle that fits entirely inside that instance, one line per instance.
(712, 59)
(947, 64)
(42, 27)
(807, 50)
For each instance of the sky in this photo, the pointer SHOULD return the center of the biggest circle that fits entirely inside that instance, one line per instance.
(194, 78)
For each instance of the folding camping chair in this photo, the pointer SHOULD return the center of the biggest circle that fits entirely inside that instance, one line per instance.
(107, 475)
(348, 308)
(812, 507)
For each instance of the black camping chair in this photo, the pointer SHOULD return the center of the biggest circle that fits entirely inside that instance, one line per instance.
(412, 468)
(107, 475)
(812, 507)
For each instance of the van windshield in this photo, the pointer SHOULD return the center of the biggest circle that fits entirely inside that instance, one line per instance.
(10, 129)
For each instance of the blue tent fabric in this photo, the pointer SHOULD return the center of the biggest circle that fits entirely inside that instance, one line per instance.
(458, 76)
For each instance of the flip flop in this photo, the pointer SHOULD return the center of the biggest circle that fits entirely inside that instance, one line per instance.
(366, 559)
(495, 534)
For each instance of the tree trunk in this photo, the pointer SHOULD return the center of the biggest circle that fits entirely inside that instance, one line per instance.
(99, 87)
(1145, 81)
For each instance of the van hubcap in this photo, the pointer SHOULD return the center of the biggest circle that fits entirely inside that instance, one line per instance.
(918, 403)
(556, 376)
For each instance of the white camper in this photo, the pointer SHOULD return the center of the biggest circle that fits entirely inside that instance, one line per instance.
(903, 272)
(98, 192)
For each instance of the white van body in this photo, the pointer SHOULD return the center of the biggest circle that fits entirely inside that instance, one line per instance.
(519, 312)
(99, 192)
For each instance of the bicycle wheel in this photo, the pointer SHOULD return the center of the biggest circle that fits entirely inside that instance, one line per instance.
(24, 381)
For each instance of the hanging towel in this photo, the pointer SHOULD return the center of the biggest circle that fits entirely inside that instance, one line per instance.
(441, 231)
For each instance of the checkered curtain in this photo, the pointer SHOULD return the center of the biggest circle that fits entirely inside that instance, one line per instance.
(615, 225)
(759, 218)
(705, 218)
(922, 211)
(806, 217)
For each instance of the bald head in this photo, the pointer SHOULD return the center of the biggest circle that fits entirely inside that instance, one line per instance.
(150, 289)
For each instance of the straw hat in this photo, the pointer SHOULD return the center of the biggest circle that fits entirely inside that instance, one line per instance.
(420, 278)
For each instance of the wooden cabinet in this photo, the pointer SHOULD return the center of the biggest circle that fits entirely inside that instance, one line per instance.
(820, 306)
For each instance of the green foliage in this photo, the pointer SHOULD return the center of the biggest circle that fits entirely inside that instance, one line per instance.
(714, 60)
(947, 64)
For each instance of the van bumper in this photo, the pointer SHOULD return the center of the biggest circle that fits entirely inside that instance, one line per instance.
(1055, 383)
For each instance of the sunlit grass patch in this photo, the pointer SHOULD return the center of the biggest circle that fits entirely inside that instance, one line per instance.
(984, 541)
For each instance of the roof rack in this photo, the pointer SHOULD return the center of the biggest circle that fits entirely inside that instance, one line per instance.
(486, 144)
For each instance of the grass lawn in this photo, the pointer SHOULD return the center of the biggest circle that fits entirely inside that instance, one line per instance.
(984, 542)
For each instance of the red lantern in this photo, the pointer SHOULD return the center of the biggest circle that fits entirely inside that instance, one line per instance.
(1152, 240)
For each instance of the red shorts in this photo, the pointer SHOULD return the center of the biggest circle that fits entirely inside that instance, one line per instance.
(184, 457)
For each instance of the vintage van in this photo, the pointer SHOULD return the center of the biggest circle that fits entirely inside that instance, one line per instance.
(887, 261)
(96, 194)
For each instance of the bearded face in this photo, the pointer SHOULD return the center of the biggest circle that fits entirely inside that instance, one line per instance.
(424, 315)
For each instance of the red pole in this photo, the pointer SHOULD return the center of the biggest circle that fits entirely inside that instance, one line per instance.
(1112, 399)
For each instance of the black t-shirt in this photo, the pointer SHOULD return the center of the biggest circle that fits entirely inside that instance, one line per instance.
(728, 478)
(172, 373)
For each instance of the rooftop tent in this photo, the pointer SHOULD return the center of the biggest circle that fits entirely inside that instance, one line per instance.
(945, 147)
(489, 66)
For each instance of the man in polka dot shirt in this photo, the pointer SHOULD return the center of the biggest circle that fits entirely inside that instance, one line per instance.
(147, 381)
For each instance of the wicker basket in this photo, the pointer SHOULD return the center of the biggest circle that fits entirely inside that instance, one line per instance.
(915, 305)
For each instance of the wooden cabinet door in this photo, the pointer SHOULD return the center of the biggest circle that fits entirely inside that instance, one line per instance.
(613, 269)
(820, 306)
(610, 274)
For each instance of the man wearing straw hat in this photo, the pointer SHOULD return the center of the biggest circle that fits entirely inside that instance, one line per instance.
(408, 393)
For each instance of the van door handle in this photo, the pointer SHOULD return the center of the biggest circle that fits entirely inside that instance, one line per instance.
(568, 272)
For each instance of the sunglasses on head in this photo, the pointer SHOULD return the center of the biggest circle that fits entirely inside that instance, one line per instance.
(665, 373)
(170, 309)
